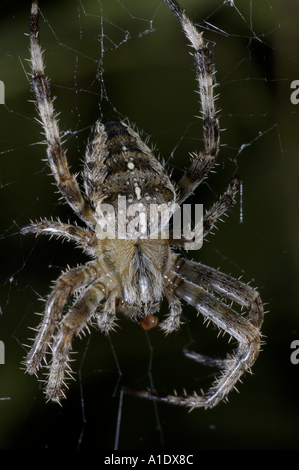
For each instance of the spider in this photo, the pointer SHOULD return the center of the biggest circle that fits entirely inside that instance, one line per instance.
(131, 275)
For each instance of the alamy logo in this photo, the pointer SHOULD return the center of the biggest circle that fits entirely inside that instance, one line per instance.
(2, 353)
(2, 93)
(295, 354)
(295, 94)
(137, 221)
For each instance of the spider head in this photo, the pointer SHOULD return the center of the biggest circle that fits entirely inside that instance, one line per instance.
(137, 266)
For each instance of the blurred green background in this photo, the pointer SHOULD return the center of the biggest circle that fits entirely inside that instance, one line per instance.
(128, 58)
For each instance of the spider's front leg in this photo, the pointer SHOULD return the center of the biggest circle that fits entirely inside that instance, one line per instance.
(70, 326)
(65, 285)
(107, 315)
(245, 330)
(173, 319)
(225, 285)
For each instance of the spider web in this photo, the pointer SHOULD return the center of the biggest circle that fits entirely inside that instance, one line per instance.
(122, 59)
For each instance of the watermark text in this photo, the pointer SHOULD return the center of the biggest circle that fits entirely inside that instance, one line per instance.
(2, 353)
(139, 221)
(295, 353)
(295, 94)
(2, 92)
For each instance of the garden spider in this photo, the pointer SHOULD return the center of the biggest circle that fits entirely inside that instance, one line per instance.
(130, 275)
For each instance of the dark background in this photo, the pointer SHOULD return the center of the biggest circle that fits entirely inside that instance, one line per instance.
(149, 78)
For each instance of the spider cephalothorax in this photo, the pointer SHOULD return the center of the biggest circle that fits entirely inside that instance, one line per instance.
(133, 262)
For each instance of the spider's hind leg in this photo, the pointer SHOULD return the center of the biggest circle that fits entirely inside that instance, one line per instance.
(203, 161)
(66, 182)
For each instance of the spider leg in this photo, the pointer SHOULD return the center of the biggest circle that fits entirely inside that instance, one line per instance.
(173, 320)
(225, 285)
(86, 239)
(206, 360)
(210, 218)
(65, 285)
(205, 160)
(220, 207)
(244, 330)
(66, 183)
(106, 317)
(71, 325)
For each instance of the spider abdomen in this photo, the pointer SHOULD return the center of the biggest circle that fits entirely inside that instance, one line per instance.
(119, 163)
